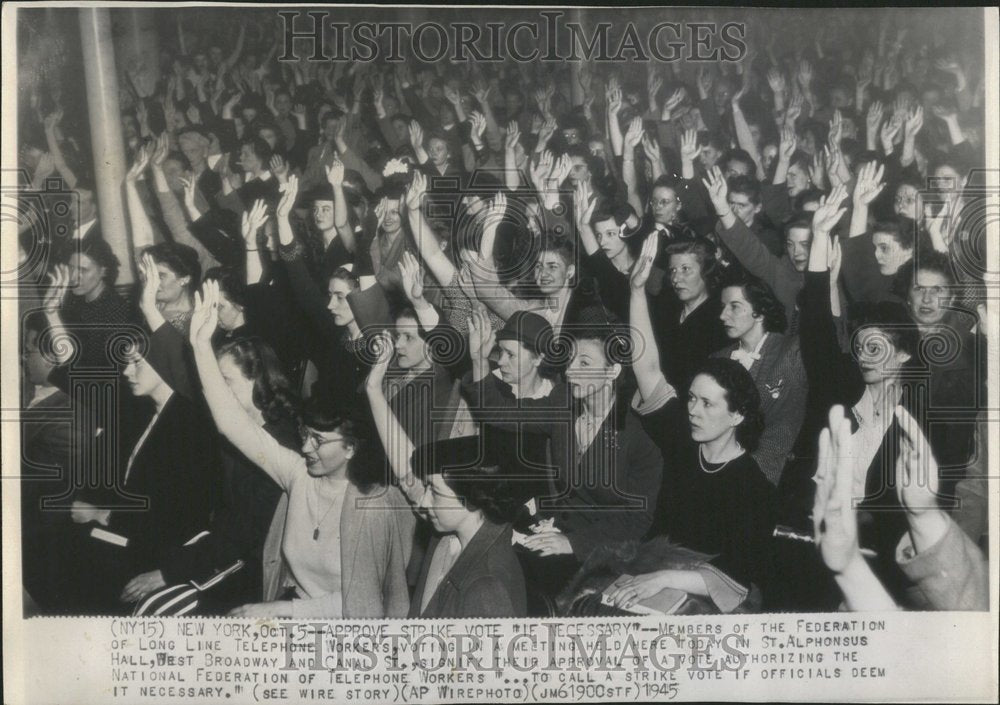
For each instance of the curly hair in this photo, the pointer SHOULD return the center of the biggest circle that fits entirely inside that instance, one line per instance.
(761, 298)
(272, 392)
(179, 259)
(704, 252)
(102, 255)
(742, 397)
(893, 321)
(364, 469)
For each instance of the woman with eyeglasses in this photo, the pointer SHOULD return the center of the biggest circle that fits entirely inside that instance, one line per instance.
(346, 538)
(469, 569)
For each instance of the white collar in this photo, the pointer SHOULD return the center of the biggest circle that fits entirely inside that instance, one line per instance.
(544, 389)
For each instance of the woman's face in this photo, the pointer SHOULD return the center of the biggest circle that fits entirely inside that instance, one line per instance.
(929, 297)
(769, 154)
(797, 180)
(446, 510)
(239, 385)
(665, 205)
(325, 452)
(174, 170)
(907, 202)
(889, 254)
(552, 273)
(737, 313)
(87, 274)
(437, 150)
(142, 379)
(685, 277)
(230, 314)
(338, 306)
(392, 222)
(609, 238)
(947, 179)
(402, 130)
(516, 363)
(172, 287)
(411, 350)
(580, 170)
(322, 213)
(589, 373)
(708, 410)
(878, 359)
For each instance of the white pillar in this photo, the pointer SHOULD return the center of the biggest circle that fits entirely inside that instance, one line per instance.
(105, 131)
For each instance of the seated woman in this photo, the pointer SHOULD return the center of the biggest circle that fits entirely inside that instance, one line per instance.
(755, 319)
(715, 498)
(237, 531)
(172, 467)
(179, 275)
(686, 313)
(345, 554)
(469, 569)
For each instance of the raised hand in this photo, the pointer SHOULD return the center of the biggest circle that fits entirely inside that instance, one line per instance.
(289, 191)
(651, 148)
(805, 74)
(414, 196)
(150, 282)
(794, 108)
(142, 158)
(253, 220)
(776, 80)
(416, 135)
(413, 278)
(675, 99)
(335, 173)
(817, 168)
(614, 98)
(634, 133)
(55, 295)
(914, 122)
(583, 203)
(889, 131)
(718, 189)
(916, 469)
(162, 148)
(829, 211)
(874, 118)
(513, 136)
(869, 184)
(452, 95)
(689, 146)
(835, 525)
(786, 147)
(482, 338)
(478, 123)
(644, 264)
(384, 349)
(541, 169)
(561, 169)
(495, 210)
(205, 316)
(279, 167)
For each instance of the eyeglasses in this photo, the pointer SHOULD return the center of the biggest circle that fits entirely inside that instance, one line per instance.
(309, 436)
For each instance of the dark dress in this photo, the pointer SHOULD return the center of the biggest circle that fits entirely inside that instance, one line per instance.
(725, 510)
(684, 345)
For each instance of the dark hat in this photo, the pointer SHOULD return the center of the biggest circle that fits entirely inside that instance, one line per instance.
(529, 329)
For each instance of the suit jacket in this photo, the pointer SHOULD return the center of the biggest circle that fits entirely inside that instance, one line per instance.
(376, 537)
(780, 377)
(176, 471)
(486, 580)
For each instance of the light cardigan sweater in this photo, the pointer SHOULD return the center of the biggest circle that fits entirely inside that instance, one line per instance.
(376, 537)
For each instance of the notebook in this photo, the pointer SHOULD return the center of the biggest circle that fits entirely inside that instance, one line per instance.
(666, 601)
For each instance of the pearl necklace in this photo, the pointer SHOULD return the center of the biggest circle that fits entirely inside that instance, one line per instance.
(701, 462)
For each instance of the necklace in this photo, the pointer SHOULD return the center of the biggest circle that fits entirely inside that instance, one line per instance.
(701, 462)
(333, 502)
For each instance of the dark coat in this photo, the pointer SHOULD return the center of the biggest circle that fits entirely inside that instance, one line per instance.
(486, 580)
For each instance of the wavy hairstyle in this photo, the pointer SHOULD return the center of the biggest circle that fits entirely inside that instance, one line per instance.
(704, 252)
(272, 392)
(742, 397)
(761, 298)
(364, 469)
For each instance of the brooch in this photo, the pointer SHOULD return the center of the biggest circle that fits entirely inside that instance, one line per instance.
(774, 390)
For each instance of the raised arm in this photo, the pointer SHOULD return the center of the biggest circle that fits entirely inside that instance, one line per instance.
(231, 419)
(142, 229)
(869, 185)
(398, 446)
(646, 355)
(427, 244)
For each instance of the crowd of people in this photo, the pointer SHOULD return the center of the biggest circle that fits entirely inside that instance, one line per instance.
(435, 340)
